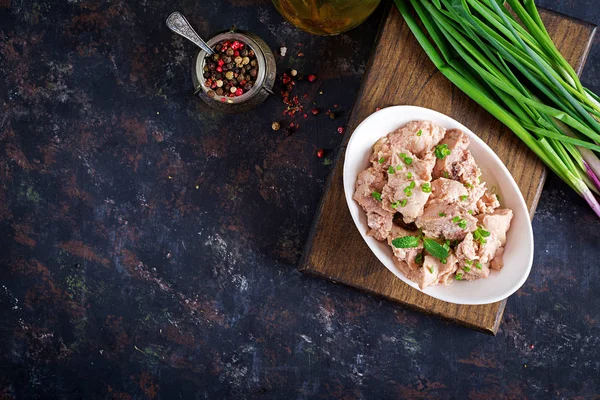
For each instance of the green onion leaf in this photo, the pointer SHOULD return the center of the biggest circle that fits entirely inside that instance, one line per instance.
(441, 151)
(376, 196)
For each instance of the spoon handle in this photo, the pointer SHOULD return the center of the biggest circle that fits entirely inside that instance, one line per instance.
(178, 24)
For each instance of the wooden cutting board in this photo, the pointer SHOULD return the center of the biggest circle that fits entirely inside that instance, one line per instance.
(399, 72)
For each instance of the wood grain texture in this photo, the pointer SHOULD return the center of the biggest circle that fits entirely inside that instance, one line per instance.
(401, 73)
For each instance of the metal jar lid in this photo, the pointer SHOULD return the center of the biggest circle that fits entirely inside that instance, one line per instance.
(265, 77)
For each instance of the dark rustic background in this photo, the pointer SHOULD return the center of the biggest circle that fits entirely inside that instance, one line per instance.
(148, 245)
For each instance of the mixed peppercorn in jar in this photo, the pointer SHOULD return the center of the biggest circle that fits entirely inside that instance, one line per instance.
(231, 71)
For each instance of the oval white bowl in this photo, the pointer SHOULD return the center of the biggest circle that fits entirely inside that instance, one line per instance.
(518, 254)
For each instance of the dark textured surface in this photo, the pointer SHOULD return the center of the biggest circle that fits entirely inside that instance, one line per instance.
(148, 245)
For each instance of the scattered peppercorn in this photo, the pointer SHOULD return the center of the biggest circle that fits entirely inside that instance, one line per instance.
(301, 54)
(312, 78)
(315, 111)
(231, 71)
(275, 126)
(320, 153)
(340, 130)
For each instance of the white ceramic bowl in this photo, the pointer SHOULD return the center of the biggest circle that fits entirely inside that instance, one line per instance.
(518, 255)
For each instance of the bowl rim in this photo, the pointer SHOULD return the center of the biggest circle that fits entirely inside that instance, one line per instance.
(416, 110)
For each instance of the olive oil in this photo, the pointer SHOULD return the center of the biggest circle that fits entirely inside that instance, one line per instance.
(326, 17)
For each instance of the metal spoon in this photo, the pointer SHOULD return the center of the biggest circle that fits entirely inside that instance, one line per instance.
(178, 24)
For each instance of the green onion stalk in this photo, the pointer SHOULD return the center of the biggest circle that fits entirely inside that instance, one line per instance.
(501, 56)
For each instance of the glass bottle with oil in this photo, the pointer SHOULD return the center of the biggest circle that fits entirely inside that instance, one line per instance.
(326, 17)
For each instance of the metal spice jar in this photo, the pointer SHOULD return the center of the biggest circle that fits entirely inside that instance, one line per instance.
(239, 76)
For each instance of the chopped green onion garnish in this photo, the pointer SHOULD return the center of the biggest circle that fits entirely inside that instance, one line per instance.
(403, 203)
(409, 175)
(446, 175)
(419, 258)
(406, 158)
(430, 269)
(470, 212)
(480, 234)
(468, 185)
(456, 219)
(381, 160)
(442, 214)
(462, 224)
(391, 170)
(478, 265)
(441, 151)
(458, 276)
(398, 167)
(376, 196)
(469, 262)
(412, 185)
(464, 198)
(395, 204)
(420, 132)
(426, 187)
(467, 269)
